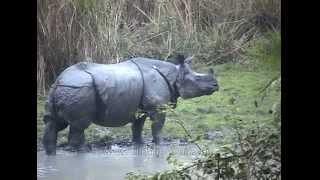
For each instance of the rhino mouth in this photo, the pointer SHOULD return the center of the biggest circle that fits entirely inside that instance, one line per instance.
(216, 87)
(211, 89)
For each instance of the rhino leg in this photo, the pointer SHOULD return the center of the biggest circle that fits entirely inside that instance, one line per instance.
(137, 127)
(76, 138)
(158, 120)
(50, 136)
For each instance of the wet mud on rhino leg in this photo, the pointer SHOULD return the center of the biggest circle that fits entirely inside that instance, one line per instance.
(158, 120)
(137, 127)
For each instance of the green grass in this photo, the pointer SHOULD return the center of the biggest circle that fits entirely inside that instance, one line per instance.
(239, 88)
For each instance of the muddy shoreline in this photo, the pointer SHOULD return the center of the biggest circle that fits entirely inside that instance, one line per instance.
(125, 141)
(118, 142)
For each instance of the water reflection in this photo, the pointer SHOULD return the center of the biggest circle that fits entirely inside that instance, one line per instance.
(113, 163)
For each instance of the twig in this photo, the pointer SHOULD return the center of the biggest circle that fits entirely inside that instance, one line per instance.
(189, 135)
(153, 37)
(145, 14)
(185, 130)
(269, 83)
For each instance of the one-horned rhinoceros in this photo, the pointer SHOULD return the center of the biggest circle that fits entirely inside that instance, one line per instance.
(110, 95)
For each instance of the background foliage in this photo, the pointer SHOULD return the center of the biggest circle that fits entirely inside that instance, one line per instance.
(107, 31)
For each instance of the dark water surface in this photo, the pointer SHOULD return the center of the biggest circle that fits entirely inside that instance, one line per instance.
(108, 164)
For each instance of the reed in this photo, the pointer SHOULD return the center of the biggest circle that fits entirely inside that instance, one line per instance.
(108, 31)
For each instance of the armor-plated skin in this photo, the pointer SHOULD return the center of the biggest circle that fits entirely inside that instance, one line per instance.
(110, 95)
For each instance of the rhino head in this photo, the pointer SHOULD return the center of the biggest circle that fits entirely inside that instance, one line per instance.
(192, 84)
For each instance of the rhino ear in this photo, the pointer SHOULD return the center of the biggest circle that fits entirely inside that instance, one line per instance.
(176, 59)
(188, 60)
(180, 59)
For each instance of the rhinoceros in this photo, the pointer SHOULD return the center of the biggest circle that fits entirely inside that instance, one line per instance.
(111, 95)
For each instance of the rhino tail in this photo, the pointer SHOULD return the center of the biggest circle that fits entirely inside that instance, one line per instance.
(50, 113)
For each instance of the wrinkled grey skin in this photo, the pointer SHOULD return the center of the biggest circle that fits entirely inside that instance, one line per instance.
(110, 95)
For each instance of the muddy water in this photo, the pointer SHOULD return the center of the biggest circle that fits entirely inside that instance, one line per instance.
(108, 164)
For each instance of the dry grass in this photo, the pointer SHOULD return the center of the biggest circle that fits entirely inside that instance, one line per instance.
(107, 31)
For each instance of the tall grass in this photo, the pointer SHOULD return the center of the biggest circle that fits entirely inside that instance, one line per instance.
(266, 51)
(107, 31)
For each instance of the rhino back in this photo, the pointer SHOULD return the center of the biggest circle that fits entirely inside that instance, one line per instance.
(74, 76)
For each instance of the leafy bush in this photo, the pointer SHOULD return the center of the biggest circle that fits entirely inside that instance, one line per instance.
(255, 154)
